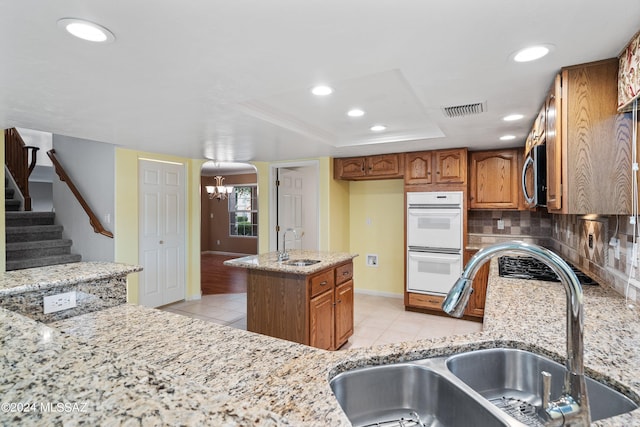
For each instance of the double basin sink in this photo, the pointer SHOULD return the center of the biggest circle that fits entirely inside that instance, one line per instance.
(302, 262)
(492, 387)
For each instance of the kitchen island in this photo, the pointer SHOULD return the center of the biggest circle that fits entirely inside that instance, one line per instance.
(136, 365)
(306, 298)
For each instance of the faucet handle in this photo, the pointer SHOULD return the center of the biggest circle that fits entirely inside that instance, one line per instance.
(546, 389)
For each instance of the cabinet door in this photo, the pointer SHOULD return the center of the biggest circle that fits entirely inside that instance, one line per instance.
(539, 126)
(321, 321)
(384, 165)
(477, 299)
(554, 146)
(344, 312)
(347, 168)
(418, 168)
(451, 166)
(494, 180)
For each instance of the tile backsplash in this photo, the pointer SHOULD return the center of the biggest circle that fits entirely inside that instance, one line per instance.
(581, 239)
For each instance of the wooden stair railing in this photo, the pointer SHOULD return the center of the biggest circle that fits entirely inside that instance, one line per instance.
(16, 155)
(62, 174)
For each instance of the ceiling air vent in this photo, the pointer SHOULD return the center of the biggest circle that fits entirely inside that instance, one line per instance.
(465, 110)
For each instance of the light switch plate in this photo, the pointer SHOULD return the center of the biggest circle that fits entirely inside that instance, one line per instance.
(59, 302)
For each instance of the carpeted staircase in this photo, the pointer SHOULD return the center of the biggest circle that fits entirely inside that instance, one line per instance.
(10, 204)
(33, 240)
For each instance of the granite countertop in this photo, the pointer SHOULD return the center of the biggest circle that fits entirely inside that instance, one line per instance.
(33, 279)
(137, 365)
(269, 261)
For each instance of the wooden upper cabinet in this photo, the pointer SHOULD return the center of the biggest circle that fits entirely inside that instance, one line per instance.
(589, 157)
(494, 181)
(418, 168)
(384, 166)
(451, 166)
(445, 167)
(350, 168)
(553, 146)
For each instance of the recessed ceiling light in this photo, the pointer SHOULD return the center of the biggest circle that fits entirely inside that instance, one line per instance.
(512, 117)
(532, 53)
(507, 137)
(356, 112)
(86, 30)
(322, 90)
(378, 128)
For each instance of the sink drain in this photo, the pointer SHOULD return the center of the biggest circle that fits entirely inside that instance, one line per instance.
(412, 421)
(519, 409)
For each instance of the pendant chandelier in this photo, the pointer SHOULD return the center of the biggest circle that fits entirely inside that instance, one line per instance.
(218, 191)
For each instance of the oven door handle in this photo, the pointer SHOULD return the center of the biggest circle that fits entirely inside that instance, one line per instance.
(441, 214)
(450, 259)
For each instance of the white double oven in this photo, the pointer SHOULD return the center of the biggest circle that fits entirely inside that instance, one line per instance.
(434, 241)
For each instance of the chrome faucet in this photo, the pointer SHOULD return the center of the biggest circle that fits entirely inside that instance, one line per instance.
(572, 408)
(284, 255)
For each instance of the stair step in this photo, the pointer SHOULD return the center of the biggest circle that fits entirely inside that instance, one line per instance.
(14, 219)
(9, 192)
(33, 233)
(42, 248)
(11, 205)
(41, 262)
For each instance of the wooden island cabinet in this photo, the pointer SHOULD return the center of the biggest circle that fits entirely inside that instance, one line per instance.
(314, 308)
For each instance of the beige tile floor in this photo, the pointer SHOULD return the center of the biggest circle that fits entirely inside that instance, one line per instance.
(378, 320)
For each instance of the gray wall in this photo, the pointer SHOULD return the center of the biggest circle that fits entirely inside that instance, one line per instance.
(91, 166)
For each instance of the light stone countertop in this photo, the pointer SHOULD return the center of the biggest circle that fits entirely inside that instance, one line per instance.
(35, 279)
(269, 261)
(136, 365)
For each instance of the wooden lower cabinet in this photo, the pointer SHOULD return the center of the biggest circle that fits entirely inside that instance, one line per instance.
(315, 310)
(322, 321)
(344, 313)
(475, 308)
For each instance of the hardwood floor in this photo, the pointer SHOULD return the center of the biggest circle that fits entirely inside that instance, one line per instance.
(217, 278)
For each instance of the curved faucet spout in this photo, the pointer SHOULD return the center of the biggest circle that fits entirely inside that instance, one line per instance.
(574, 386)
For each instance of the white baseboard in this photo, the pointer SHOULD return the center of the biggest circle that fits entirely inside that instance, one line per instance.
(378, 293)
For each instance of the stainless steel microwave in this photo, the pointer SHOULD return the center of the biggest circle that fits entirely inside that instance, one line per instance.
(534, 177)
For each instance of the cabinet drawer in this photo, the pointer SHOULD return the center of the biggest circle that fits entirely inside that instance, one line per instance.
(322, 282)
(426, 301)
(344, 272)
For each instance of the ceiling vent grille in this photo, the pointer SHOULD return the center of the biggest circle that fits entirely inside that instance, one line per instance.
(465, 110)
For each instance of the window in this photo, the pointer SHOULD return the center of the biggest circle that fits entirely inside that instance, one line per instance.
(243, 211)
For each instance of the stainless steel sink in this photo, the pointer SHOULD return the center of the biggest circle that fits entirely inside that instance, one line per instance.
(302, 262)
(493, 387)
(408, 395)
(511, 378)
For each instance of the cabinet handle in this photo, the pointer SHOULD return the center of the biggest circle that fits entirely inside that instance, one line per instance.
(345, 273)
(323, 283)
(339, 301)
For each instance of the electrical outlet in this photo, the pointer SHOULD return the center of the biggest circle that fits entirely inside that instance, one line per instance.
(500, 224)
(590, 241)
(59, 302)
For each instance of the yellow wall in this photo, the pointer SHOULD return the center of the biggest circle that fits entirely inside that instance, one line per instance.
(338, 213)
(126, 217)
(376, 227)
(3, 255)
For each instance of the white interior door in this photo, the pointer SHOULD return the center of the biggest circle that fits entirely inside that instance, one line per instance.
(162, 232)
(298, 206)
